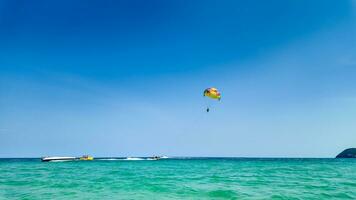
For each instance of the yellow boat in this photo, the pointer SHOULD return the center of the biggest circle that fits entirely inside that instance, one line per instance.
(86, 157)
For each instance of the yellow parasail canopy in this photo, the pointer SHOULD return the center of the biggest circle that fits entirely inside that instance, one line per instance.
(212, 93)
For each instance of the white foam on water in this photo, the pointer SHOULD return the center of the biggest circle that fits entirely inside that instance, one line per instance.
(109, 159)
(60, 160)
(133, 158)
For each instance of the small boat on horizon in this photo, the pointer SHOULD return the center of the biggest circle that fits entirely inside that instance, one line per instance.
(65, 158)
(57, 158)
(86, 157)
(157, 157)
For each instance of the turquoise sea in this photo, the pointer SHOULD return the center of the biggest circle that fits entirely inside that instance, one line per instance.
(179, 178)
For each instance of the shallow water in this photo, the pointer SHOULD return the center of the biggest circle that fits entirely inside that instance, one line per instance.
(189, 178)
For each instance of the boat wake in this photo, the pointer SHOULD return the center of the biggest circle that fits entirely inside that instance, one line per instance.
(121, 159)
(131, 159)
(108, 159)
(60, 160)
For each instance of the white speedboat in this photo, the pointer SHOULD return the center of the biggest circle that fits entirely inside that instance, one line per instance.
(155, 158)
(57, 159)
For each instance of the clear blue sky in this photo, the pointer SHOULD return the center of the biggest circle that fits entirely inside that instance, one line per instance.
(125, 78)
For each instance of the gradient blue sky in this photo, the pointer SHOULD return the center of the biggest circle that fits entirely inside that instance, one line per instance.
(125, 78)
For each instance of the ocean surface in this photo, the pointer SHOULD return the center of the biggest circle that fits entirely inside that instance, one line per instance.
(179, 178)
